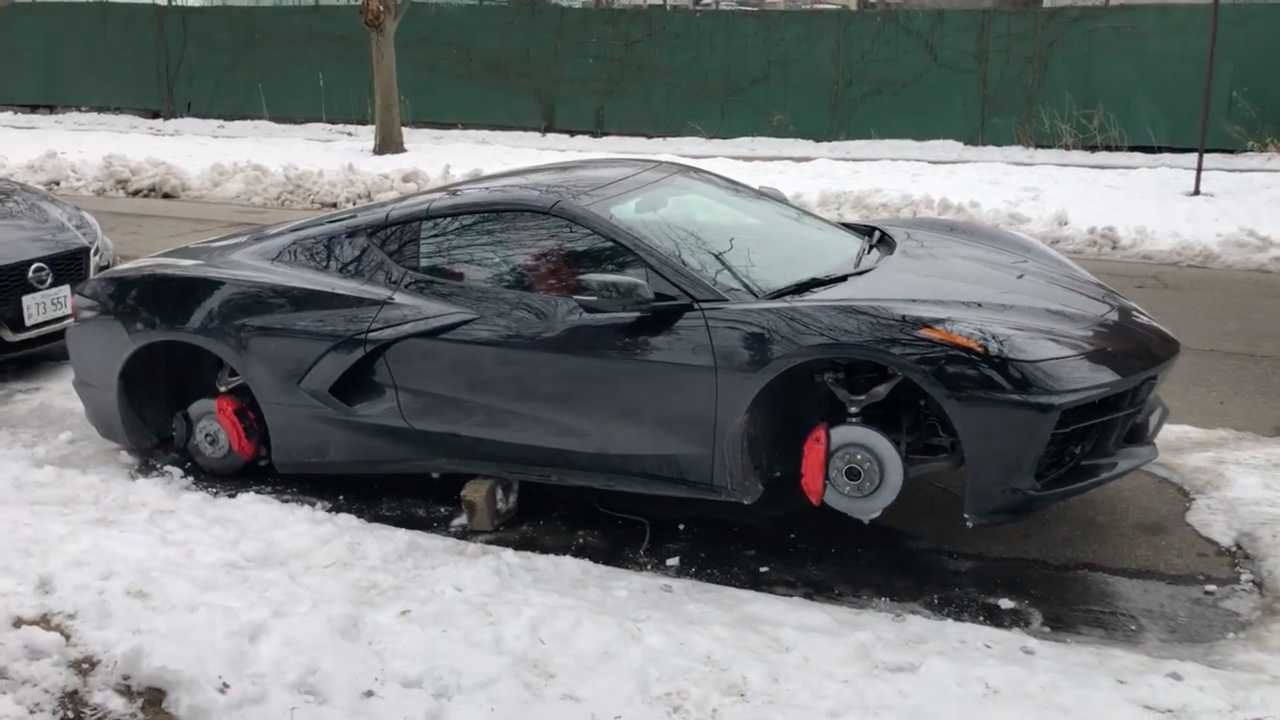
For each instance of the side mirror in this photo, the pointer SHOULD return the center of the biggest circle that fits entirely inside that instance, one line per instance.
(774, 193)
(604, 292)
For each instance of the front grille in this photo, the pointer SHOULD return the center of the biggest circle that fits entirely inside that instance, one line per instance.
(1065, 450)
(69, 268)
(1091, 428)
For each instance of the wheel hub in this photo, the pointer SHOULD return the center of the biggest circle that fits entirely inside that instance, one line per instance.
(853, 471)
(210, 438)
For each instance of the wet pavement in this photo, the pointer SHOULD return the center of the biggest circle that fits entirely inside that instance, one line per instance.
(815, 554)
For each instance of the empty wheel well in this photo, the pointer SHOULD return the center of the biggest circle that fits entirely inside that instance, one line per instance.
(162, 379)
(784, 412)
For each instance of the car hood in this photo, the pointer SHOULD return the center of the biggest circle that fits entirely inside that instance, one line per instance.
(1023, 300)
(33, 224)
(945, 262)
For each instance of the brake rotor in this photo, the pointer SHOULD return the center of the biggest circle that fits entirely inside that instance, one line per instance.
(864, 472)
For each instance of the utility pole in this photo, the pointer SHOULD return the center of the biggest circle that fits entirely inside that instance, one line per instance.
(1208, 94)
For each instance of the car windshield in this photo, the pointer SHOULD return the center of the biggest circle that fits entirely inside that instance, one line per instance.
(741, 239)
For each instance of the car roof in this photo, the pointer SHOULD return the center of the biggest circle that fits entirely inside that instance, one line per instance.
(581, 181)
(571, 179)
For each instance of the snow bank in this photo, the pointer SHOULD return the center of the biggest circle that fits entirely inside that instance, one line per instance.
(1140, 213)
(754, 148)
(1234, 480)
(250, 608)
(246, 182)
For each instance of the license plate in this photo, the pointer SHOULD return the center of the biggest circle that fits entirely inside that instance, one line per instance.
(46, 305)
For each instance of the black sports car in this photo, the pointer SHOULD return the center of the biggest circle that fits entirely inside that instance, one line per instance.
(633, 325)
(47, 246)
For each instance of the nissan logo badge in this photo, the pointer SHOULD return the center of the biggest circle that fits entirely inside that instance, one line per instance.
(40, 276)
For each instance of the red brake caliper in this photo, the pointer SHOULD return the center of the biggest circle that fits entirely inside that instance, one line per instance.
(239, 424)
(813, 464)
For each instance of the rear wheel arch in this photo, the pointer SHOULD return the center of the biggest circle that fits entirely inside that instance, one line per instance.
(164, 376)
(786, 402)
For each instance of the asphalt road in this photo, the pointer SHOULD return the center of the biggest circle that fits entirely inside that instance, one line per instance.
(1228, 376)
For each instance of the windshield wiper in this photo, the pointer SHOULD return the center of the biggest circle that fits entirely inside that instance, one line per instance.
(815, 282)
(818, 281)
(867, 246)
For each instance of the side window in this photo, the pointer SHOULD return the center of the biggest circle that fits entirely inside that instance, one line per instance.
(527, 252)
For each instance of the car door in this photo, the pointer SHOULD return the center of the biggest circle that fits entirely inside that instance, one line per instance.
(535, 386)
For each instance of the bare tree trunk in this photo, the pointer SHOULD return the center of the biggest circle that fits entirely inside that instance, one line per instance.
(388, 138)
(381, 18)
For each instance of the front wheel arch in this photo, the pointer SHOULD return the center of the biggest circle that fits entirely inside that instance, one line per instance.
(774, 419)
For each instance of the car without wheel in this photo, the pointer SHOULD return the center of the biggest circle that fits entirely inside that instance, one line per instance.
(633, 325)
(47, 247)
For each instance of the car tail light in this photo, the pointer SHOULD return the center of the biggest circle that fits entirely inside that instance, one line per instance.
(813, 464)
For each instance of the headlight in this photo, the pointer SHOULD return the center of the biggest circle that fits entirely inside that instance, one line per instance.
(103, 253)
(82, 222)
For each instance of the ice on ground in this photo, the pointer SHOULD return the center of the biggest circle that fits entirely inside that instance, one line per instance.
(1141, 213)
(248, 607)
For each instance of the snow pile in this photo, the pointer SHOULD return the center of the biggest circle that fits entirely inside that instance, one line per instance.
(1134, 213)
(1234, 478)
(1241, 248)
(245, 182)
(250, 608)
(753, 148)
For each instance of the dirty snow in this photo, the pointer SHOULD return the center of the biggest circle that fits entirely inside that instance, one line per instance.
(250, 608)
(1140, 212)
(34, 666)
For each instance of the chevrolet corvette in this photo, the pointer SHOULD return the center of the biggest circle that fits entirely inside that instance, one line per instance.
(633, 325)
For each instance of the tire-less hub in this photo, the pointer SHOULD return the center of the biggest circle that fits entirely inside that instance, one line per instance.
(854, 472)
(209, 437)
(864, 471)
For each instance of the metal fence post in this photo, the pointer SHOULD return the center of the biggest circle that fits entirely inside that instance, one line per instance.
(1208, 94)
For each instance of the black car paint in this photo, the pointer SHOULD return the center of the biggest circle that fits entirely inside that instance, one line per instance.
(359, 367)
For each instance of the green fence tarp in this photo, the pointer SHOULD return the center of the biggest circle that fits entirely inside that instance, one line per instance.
(1089, 76)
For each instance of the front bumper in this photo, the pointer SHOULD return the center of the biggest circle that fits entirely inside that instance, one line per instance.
(1099, 467)
(12, 348)
(70, 267)
(1027, 453)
